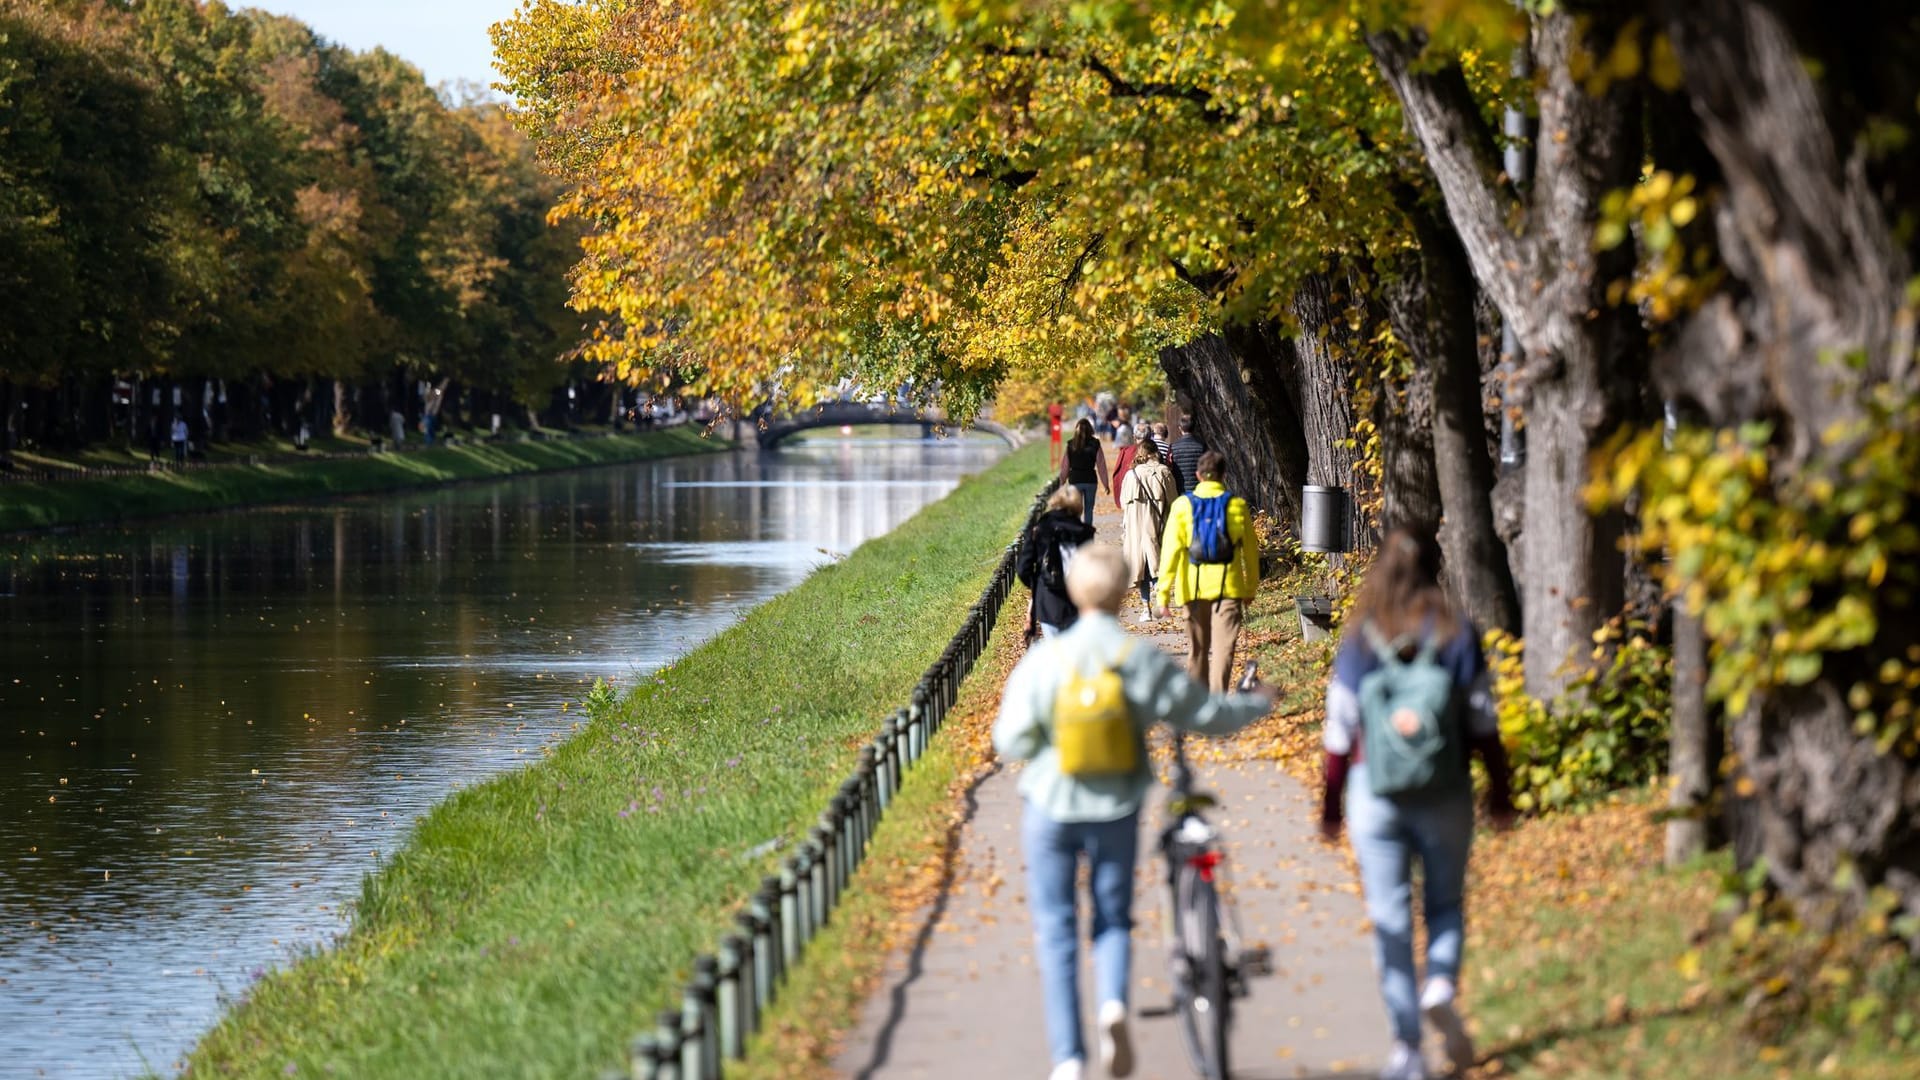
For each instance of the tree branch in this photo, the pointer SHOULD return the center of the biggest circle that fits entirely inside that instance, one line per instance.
(1445, 120)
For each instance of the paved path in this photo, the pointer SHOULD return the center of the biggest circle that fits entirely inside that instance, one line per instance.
(965, 1000)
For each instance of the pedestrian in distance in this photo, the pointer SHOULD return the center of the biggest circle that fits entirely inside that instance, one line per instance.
(1047, 556)
(179, 440)
(1146, 496)
(1164, 441)
(1185, 457)
(1408, 703)
(1210, 565)
(1076, 709)
(1084, 466)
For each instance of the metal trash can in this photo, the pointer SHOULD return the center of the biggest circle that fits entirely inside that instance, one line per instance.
(1326, 519)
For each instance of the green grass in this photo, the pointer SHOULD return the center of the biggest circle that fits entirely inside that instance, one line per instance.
(532, 924)
(79, 502)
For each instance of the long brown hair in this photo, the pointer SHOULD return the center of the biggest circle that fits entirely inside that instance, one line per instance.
(1082, 434)
(1403, 594)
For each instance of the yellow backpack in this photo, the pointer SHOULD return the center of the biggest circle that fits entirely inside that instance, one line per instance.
(1093, 725)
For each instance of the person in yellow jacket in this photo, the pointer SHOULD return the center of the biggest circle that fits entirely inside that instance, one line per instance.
(1215, 594)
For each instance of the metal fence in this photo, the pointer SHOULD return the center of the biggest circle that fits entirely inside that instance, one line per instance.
(727, 998)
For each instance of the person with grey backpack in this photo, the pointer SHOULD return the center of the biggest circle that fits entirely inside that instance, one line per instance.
(1408, 704)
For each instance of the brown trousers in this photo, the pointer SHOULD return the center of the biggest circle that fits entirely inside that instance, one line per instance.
(1213, 633)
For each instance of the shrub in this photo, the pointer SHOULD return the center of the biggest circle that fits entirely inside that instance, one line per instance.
(1606, 732)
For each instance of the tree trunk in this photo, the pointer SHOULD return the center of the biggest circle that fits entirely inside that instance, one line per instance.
(1241, 410)
(1577, 379)
(1409, 483)
(1691, 760)
(1431, 308)
(1325, 350)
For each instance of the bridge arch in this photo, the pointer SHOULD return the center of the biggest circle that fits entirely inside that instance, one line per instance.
(776, 429)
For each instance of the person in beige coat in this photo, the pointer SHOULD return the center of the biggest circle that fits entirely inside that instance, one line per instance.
(1145, 494)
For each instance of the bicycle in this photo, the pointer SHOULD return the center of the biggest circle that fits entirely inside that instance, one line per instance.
(1209, 964)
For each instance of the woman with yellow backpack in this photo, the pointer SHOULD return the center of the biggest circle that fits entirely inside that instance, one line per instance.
(1076, 709)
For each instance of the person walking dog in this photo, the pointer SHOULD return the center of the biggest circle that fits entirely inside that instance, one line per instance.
(1076, 709)
(1408, 703)
(1210, 565)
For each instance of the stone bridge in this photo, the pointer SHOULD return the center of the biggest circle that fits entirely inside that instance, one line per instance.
(771, 429)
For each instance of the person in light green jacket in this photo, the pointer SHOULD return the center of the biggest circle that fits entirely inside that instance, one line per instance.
(1095, 816)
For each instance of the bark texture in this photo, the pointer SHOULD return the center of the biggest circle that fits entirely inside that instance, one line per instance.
(1431, 308)
(1325, 348)
(1240, 408)
(1576, 380)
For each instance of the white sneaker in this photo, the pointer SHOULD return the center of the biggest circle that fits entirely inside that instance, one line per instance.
(1146, 616)
(1436, 1003)
(1405, 1063)
(1069, 1069)
(1116, 1045)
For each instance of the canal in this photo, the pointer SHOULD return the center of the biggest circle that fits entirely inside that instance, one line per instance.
(213, 727)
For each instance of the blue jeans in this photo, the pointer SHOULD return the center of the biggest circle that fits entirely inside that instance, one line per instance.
(1388, 834)
(1054, 849)
(1088, 494)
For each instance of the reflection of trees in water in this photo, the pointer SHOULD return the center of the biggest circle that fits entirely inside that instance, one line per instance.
(155, 647)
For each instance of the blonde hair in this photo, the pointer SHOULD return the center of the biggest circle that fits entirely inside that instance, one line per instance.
(1097, 580)
(1067, 497)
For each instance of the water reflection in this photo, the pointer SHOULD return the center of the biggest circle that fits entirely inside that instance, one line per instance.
(215, 726)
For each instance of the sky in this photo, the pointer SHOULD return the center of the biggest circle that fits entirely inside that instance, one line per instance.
(445, 39)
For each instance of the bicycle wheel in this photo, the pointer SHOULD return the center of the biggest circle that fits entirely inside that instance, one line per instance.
(1204, 1001)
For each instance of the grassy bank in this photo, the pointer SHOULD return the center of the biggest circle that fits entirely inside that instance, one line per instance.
(534, 923)
(81, 502)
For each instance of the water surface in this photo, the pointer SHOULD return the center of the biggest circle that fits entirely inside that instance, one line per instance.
(213, 727)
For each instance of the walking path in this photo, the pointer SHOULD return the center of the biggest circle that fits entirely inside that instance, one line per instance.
(965, 1001)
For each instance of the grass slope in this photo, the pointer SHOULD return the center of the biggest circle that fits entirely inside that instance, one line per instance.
(534, 923)
(77, 502)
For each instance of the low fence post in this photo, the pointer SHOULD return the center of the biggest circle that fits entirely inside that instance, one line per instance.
(765, 912)
(693, 1036)
(790, 939)
(666, 1039)
(750, 973)
(890, 732)
(869, 798)
(731, 994)
(643, 1057)
(853, 847)
(703, 994)
(825, 873)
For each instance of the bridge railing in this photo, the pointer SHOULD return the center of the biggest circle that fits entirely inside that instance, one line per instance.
(726, 1000)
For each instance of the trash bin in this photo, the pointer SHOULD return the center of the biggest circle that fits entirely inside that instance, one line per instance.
(1326, 519)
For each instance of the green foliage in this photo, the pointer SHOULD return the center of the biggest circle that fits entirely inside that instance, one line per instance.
(1789, 567)
(1607, 732)
(191, 191)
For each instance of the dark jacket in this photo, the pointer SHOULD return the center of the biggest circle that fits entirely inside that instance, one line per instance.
(1184, 460)
(1042, 569)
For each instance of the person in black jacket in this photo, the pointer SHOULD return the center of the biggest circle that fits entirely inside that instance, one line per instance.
(1048, 552)
(1185, 457)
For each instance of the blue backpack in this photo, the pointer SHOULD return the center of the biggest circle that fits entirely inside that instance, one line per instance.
(1409, 721)
(1211, 544)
